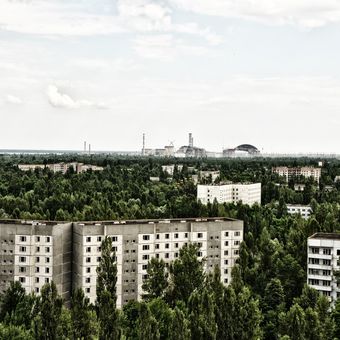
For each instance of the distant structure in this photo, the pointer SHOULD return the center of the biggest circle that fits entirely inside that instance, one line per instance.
(85, 147)
(297, 209)
(143, 148)
(191, 140)
(170, 169)
(305, 171)
(248, 193)
(241, 150)
(89, 149)
(61, 167)
(323, 261)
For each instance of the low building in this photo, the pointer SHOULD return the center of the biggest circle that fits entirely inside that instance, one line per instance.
(323, 262)
(61, 167)
(296, 209)
(299, 187)
(169, 169)
(209, 173)
(247, 193)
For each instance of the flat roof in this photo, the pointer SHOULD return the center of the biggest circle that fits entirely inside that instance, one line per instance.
(121, 222)
(326, 236)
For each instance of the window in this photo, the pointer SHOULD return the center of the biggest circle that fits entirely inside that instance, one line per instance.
(176, 255)
(144, 266)
(37, 280)
(47, 249)
(88, 249)
(47, 270)
(186, 235)
(146, 237)
(167, 245)
(146, 257)
(200, 244)
(23, 238)
(157, 256)
(22, 279)
(326, 272)
(22, 259)
(37, 289)
(88, 239)
(37, 259)
(314, 261)
(37, 269)
(199, 254)
(88, 259)
(176, 235)
(226, 234)
(326, 283)
(22, 269)
(327, 251)
(37, 239)
(236, 243)
(157, 245)
(225, 280)
(237, 233)
(314, 250)
(226, 252)
(167, 255)
(226, 271)
(146, 247)
(37, 249)
(167, 236)
(22, 249)
(88, 270)
(327, 262)
(47, 260)
(99, 239)
(226, 243)
(157, 236)
(99, 249)
(88, 280)
(88, 290)
(115, 249)
(236, 252)
(48, 239)
(225, 261)
(338, 252)
(199, 235)
(176, 245)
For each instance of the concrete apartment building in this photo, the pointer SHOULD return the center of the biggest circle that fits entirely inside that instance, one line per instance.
(323, 260)
(61, 167)
(35, 253)
(304, 210)
(305, 171)
(248, 193)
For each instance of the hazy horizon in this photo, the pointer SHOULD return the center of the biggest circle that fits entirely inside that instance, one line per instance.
(105, 71)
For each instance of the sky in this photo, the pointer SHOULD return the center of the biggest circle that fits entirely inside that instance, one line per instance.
(261, 72)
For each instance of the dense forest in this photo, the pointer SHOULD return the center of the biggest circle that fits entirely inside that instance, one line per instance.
(268, 297)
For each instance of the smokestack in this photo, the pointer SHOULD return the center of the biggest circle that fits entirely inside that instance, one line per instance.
(191, 140)
(89, 149)
(85, 147)
(143, 149)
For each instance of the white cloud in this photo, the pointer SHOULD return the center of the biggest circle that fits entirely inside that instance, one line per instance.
(58, 99)
(54, 18)
(304, 13)
(13, 99)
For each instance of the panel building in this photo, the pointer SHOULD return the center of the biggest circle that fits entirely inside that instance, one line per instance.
(323, 261)
(304, 171)
(248, 193)
(297, 209)
(136, 242)
(36, 253)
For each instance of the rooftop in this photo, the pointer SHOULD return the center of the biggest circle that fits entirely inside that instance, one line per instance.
(326, 236)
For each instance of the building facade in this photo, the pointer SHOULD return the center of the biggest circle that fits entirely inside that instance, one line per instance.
(36, 253)
(323, 256)
(304, 210)
(135, 243)
(305, 171)
(248, 193)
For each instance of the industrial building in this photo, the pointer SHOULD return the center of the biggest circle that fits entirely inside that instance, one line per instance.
(323, 261)
(38, 252)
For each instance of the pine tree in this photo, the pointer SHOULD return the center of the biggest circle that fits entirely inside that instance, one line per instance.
(147, 326)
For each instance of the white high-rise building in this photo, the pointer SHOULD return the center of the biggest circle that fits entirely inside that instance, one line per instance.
(323, 260)
(248, 193)
(304, 171)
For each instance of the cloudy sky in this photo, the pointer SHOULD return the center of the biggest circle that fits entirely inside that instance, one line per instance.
(264, 72)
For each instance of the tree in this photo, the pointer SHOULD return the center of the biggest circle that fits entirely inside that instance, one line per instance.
(336, 318)
(13, 332)
(50, 312)
(180, 327)
(107, 313)
(157, 282)
(84, 324)
(147, 326)
(186, 273)
(294, 323)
